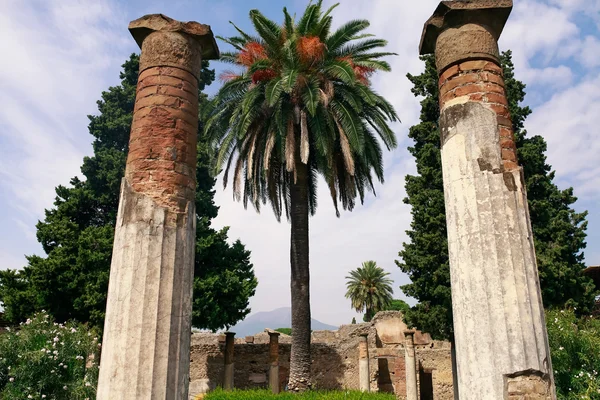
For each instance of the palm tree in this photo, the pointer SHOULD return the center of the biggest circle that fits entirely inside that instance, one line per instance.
(299, 106)
(370, 289)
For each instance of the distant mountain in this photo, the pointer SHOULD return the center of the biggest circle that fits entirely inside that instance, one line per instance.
(279, 318)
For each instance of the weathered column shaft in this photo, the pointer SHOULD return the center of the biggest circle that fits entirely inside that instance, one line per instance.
(146, 346)
(228, 371)
(501, 340)
(410, 360)
(363, 364)
(274, 362)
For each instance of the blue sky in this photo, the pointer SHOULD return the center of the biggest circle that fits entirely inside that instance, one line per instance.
(58, 56)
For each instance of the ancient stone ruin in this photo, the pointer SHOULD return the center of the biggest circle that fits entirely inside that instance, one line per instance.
(501, 341)
(147, 329)
(338, 358)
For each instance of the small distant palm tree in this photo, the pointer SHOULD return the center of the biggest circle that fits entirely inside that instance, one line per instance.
(370, 289)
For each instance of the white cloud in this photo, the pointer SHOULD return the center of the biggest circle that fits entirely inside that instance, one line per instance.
(55, 54)
(374, 231)
(60, 54)
(589, 54)
(568, 121)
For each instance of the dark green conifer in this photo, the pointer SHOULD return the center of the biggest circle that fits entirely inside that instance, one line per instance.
(71, 281)
(559, 231)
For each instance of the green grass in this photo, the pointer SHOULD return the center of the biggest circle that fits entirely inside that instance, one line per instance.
(312, 395)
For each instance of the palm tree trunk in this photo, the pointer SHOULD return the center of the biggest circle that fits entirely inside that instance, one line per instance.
(300, 283)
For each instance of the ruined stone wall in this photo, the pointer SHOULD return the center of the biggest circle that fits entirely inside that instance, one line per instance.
(335, 359)
(435, 358)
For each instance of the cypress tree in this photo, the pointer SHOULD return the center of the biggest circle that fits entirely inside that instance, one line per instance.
(559, 231)
(71, 282)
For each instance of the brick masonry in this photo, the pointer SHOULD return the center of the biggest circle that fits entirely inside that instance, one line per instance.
(528, 387)
(162, 149)
(481, 81)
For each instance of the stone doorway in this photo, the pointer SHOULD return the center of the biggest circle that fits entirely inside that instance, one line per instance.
(426, 384)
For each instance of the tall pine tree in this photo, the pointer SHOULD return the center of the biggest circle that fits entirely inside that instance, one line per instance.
(71, 282)
(559, 231)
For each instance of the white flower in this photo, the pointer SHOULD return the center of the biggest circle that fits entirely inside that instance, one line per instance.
(65, 366)
(65, 387)
(73, 330)
(88, 384)
(7, 329)
(11, 379)
(43, 350)
(55, 339)
(55, 352)
(30, 397)
(28, 321)
(561, 348)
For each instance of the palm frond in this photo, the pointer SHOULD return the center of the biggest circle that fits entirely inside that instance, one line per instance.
(345, 33)
(268, 30)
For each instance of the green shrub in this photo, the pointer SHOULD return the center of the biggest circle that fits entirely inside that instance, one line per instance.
(312, 395)
(285, 331)
(46, 360)
(575, 350)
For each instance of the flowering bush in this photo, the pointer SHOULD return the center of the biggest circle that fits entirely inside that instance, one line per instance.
(46, 360)
(575, 349)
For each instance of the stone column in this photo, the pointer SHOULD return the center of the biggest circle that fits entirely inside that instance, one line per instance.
(499, 325)
(274, 361)
(146, 347)
(411, 365)
(363, 364)
(228, 371)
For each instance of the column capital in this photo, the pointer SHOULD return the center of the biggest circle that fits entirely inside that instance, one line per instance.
(189, 43)
(465, 29)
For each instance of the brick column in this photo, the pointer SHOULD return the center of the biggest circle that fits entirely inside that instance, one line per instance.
(363, 364)
(274, 362)
(228, 371)
(411, 366)
(146, 346)
(499, 324)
